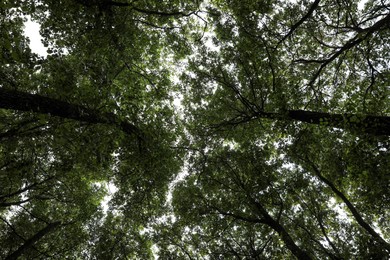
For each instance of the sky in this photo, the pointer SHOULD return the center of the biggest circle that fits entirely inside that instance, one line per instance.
(31, 30)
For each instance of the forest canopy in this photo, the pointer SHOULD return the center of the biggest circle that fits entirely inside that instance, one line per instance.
(175, 129)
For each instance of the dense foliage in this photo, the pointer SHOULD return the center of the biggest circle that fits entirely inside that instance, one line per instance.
(179, 129)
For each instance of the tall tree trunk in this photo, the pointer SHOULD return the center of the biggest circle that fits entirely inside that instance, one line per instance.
(355, 213)
(22, 101)
(284, 235)
(374, 125)
(32, 240)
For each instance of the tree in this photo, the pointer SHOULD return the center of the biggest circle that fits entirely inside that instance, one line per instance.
(279, 149)
(270, 65)
(61, 145)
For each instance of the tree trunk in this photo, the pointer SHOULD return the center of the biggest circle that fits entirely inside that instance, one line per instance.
(359, 219)
(32, 240)
(374, 125)
(284, 235)
(22, 101)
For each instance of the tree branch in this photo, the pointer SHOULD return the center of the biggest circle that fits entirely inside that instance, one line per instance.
(361, 36)
(312, 8)
(146, 11)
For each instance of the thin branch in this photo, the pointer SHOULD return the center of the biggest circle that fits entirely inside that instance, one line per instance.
(360, 37)
(146, 11)
(312, 8)
(25, 188)
(236, 216)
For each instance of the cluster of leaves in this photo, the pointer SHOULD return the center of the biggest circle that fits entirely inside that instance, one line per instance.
(280, 148)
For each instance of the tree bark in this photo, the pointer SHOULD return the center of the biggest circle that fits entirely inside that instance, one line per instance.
(374, 125)
(22, 101)
(32, 240)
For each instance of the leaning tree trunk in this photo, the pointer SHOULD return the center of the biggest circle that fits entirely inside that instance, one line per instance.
(374, 125)
(279, 228)
(32, 240)
(355, 213)
(22, 101)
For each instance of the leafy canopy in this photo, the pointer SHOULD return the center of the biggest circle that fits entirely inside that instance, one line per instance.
(228, 130)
